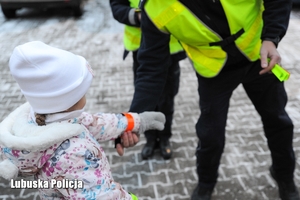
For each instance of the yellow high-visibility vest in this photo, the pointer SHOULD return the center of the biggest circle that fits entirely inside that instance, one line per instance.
(173, 17)
(132, 36)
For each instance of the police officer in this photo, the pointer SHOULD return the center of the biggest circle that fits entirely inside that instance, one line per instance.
(128, 13)
(229, 43)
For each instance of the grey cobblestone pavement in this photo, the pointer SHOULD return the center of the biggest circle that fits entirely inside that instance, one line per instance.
(96, 36)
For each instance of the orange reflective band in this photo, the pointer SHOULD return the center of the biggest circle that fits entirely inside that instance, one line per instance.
(130, 121)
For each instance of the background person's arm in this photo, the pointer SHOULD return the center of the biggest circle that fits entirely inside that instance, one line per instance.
(154, 59)
(123, 13)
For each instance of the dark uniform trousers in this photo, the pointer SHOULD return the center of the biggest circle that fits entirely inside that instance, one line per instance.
(166, 102)
(269, 98)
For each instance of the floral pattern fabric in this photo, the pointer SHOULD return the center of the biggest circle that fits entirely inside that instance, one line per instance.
(80, 157)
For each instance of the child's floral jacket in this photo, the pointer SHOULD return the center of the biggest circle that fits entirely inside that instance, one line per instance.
(65, 149)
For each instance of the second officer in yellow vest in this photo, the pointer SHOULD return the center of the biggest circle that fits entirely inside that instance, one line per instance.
(127, 13)
(229, 43)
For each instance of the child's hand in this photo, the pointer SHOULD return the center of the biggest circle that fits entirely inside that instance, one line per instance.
(152, 121)
(128, 139)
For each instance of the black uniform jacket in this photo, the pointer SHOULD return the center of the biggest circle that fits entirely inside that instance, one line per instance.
(154, 53)
(122, 12)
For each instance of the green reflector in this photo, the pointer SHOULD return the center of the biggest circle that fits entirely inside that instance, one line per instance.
(280, 73)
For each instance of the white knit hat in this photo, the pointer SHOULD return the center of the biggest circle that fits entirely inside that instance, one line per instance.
(52, 80)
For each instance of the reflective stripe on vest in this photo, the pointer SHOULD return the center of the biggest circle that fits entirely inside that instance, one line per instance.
(132, 36)
(195, 36)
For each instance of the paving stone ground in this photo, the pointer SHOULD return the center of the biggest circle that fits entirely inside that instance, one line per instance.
(244, 166)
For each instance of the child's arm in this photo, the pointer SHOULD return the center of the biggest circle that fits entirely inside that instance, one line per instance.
(107, 126)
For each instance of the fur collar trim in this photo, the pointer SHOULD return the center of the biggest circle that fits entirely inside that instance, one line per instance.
(17, 133)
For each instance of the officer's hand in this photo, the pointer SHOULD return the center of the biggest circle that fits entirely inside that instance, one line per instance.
(128, 139)
(268, 50)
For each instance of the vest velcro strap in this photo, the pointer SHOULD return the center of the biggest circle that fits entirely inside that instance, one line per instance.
(228, 40)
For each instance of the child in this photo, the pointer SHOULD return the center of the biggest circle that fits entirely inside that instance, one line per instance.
(51, 137)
